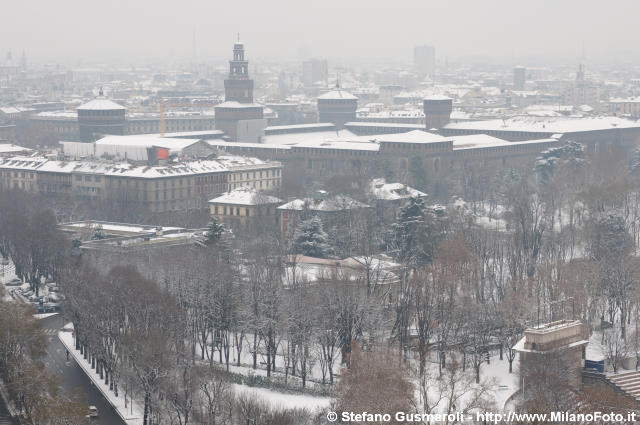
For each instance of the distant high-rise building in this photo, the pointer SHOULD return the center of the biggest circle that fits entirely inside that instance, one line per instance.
(519, 77)
(424, 60)
(315, 70)
(23, 61)
(582, 91)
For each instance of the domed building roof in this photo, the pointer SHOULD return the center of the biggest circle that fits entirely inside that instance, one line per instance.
(338, 94)
(101, 103)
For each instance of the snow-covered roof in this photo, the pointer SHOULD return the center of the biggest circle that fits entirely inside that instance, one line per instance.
(292, 138)
(8, 110)
(9, 148)
(100, 103)
(625, 100)
(333, 204)
(63, 115)
(22, 162)
(220, 143)
(279, 128)
(125, 169)
(347, 143)
(383, 124)
(479, 141)
(234, 104)
(546, 124)
(116, 228)
(437, 97)
(380, 189)
(414, 136)
(174, 144)
(337, 94)
(245, 196)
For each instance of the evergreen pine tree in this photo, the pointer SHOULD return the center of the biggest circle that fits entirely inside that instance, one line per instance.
(311, 240)
(408, 232)
(214, 232)
(571, 154)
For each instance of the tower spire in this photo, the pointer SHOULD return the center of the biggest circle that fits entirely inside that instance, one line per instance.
(239, 87)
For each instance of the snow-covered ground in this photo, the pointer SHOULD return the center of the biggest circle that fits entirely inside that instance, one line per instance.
(482, 216)
(44, 315)
(285, 400)
(246, 362)
(505, 383)
(495, 376)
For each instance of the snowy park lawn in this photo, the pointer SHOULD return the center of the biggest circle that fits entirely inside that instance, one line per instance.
(285, 400)
(505, 383)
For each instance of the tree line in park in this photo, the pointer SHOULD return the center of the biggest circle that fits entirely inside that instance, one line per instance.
(33, 391)
(175, 324)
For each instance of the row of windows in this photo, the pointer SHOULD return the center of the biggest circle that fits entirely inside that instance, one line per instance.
(88, 178)
(243, 211)
(21, 174)
(246, 176)
(262, 184)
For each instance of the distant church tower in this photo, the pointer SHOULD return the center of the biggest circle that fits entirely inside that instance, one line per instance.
(240, 118)
(23, 61)
(238, 87)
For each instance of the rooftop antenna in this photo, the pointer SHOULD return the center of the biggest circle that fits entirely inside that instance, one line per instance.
(238, 37)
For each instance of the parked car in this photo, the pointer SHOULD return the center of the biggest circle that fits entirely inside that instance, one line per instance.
(14, 282)
(93, 412)
(46, 308)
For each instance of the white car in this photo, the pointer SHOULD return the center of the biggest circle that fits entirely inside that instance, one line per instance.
(93, 412)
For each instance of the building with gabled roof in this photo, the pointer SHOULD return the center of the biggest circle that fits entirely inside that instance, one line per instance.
(244, 205)
(330, 209)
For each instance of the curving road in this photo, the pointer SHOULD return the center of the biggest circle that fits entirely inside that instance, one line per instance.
(72, 376)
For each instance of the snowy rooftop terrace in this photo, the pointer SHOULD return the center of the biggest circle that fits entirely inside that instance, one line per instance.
(118, 236)
(546, 124)
(118, 229)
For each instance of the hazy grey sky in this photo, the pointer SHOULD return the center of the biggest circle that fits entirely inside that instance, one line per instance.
(137, 30)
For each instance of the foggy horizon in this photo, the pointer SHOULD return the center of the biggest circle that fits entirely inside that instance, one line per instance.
(497, 31)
